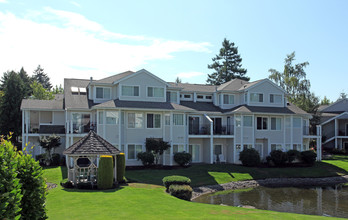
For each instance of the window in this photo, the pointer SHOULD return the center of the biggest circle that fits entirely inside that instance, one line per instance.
(208, 97)
(173, 97)
(262, 123)
(133, 150)
(246, 97)
(247, 146)
(167, 119)
(103, 93)
(297, 147)
(287, 122)
(153, 120)
(296, 122)
(276, 124)
(155, 92)
(111, 117)
(288, 147)
(135, 120)
(276, 147)
(130, 90)
(178, 119)
(200, 96)
(247, 120)
(228, 99)
(81, 123)
(217, 149)
(100, 119)
(238, 121)
(273, 98)
(187, 96)
(256, 97)
(178, 148)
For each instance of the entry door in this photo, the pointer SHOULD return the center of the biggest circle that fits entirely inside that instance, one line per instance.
(193, 125)
(259, 148)
(195, 151)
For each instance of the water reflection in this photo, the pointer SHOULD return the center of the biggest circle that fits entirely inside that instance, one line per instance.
(328, 201)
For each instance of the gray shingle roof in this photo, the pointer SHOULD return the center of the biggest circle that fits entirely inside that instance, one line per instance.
(76, 101)
(337, 107)
(114, 78)
(187, 87)
(91, 144)
(290, 109)
(56, 104)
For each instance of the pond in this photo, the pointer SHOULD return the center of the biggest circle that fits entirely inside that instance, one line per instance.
(325, 201)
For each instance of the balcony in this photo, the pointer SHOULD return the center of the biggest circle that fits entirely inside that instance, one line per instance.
(217, 130)
(45, 129)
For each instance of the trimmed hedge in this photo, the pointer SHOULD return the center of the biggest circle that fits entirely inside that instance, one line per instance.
(175, 180)
(105, 173)
(121, 167)
(181, 191)
(279, 157)
(183, 158)
(308, 157)
(250, 157)
(146, 158)
(293, 155)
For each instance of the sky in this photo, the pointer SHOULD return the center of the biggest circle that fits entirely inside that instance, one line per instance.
(80, 39)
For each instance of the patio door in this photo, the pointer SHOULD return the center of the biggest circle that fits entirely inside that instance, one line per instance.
(195, 151)
(193, 125)
(217, 123)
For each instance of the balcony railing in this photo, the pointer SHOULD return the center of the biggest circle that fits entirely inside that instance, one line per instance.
(45, 129)
(217, 130)
(307, 130)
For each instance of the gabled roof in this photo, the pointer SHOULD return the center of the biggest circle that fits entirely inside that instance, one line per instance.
(233, 85)
(139, 72)
(112, 79)
(55, 104)
(78, 101)
(337, 107)
(187, 87)
(91, 144)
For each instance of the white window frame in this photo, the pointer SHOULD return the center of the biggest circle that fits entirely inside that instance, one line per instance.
(172, 95)
(179, 145)
(230, 99)
(262, 129)
(135, 150)
(117, 117)
(183, 96)
(276, 94)
(257, 93)
(102, 87)
(135, 127)
(183, 122)
(277, 144)
(154, 113)
(153, 92)
(276, 129)
(251, 119)
(133, 90)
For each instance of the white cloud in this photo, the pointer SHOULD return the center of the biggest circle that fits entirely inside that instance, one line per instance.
(76, 4)
(68, 45)
(186, 75)
(3, 1)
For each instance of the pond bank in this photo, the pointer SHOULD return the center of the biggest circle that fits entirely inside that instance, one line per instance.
(271, 182)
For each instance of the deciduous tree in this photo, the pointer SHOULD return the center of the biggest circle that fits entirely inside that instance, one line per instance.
(39, 92)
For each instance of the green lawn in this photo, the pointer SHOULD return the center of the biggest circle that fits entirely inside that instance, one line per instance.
(140, 201)
(223, 173)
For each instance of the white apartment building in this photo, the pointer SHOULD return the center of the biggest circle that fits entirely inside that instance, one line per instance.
(213, 123)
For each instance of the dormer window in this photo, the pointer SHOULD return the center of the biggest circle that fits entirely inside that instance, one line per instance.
(103, 93)
(157, 92)
(130, 90)
(256, 97)
(228, 99)
(274, 98)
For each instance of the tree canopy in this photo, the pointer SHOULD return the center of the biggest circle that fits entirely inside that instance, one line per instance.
(293, 80)
(39, 92)
(227, 65)
(41, 77)
(325, 101)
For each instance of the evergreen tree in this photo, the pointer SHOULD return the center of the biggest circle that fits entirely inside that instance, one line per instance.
(227, 65)
(177, 80)
(343, 95)
(10, 114)
(58, 90)
(27, 81)
(41, 77)
(325, 101)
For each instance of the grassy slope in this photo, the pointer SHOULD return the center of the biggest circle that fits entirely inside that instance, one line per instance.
(141, 201)
(223, 173)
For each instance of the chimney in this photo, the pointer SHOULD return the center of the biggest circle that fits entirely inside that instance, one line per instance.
(91, 80)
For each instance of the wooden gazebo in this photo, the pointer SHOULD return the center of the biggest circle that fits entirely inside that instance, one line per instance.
(83, 158)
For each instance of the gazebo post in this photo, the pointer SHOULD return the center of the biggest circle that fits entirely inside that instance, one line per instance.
(67, 166)
(74, 170)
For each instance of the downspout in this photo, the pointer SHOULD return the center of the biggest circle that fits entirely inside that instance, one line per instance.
(211, 139)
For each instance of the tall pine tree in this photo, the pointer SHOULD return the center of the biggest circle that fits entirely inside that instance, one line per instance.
(10, 114)
(41, 77)
(227, 65)
(27, 81)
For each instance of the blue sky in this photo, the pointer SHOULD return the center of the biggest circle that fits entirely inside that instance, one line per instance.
(79, 39)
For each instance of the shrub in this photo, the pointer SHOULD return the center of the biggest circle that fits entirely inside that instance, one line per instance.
(84, 185)
(292, 155)
(183, 158)
(55, 159)
(10, 188)
(121, 167)
(175, 180)
(30, 175)
(279, 157)
(105, 172)
(146, 158)
(181, 191)
(157, 147)
(66, 183)
(308, 157)
(338, 151)
(250, 157)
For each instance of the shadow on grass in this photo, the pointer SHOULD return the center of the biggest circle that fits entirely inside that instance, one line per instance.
(118, 188)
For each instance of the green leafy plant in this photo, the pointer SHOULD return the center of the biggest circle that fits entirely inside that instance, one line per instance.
(105, 173)
(249, 157)
(279, 157)
(183, 158)
(121, 167)
(157, 147)
(181, 191)
(55, 159)
(308, 157)
(293, 155)
(175, 180)
(49, 144)
(146, 158)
